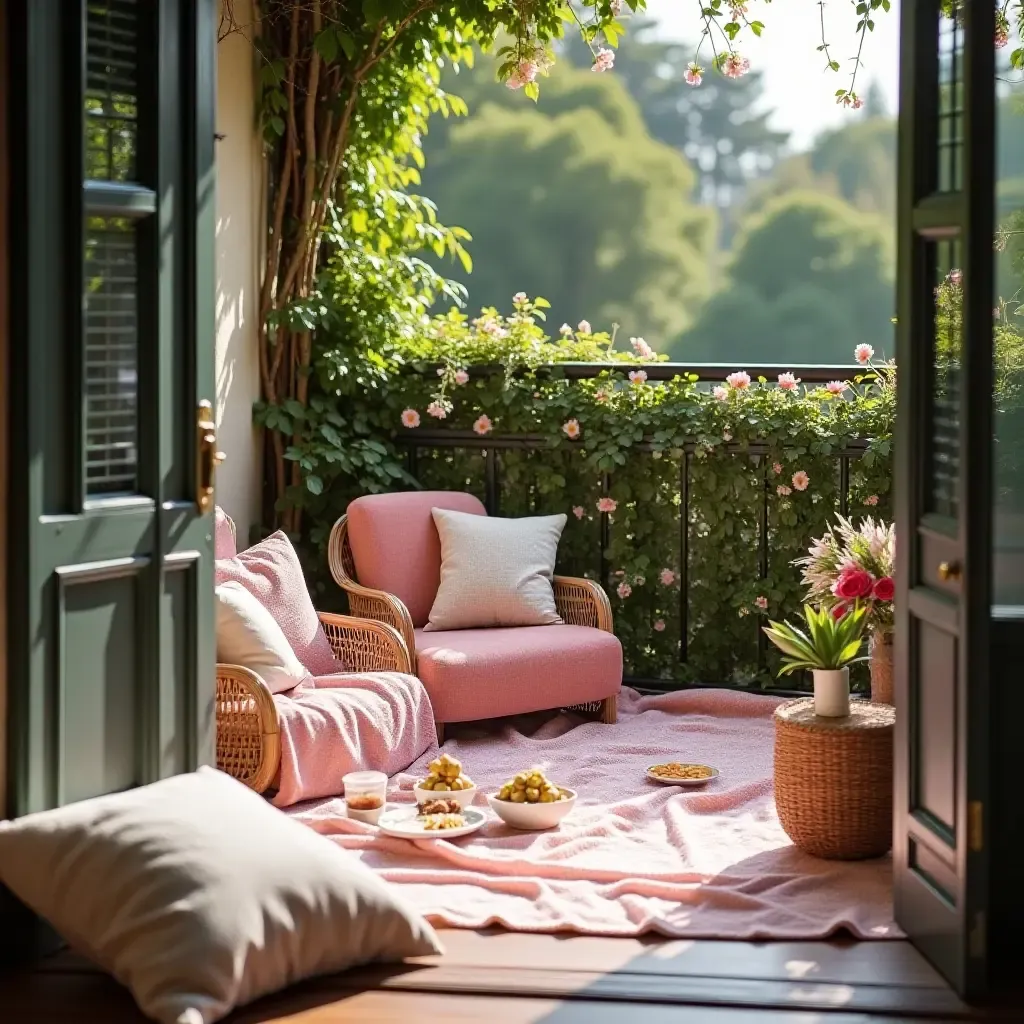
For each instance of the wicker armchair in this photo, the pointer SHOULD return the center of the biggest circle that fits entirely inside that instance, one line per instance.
(248, 736)
(580, 602)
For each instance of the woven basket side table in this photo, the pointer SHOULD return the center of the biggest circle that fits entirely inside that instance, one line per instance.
(833, 779)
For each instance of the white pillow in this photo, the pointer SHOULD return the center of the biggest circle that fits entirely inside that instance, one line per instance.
(248, 635)
(199, 896)
(495, 572)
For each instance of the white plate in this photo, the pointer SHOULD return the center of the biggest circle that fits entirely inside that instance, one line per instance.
(405, 823)
(682, 782)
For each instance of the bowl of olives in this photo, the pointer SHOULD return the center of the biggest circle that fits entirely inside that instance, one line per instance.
(445, 780)
(530, 801)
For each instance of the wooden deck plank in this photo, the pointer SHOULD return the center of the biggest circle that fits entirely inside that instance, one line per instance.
(500, 976)
(841, 962)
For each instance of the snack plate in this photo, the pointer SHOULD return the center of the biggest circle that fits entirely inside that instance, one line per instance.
(681, 782)
(405, 823)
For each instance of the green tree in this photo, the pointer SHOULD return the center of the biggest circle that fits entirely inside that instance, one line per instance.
(721, 127)
(579, 205)
(810, 278)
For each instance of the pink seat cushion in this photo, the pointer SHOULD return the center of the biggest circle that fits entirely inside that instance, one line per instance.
(395, 544)
(271, 572)
(487, 673)
(223, 535)
(379, 720)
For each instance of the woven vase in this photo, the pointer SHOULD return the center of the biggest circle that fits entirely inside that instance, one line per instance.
(881, 667)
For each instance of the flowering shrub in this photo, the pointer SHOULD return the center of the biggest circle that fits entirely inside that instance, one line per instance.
(610, 451)
(853, 564)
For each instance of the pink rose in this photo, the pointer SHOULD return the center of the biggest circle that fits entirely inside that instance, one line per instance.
(579, 511)
(410, 418)
(659, 625)
(623, 590)
(483, 425)
(854, 584)
(667, 577)
(863, 354)
(720, 392)
(885, 589)
(740, 380)
(788, 381)
(836, 387)
(607, 504)
(461, 377)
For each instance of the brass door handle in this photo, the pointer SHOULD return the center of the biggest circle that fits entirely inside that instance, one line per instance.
(949, 572)
(207, 456)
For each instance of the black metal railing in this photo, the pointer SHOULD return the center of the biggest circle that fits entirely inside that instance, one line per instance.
(489, 454)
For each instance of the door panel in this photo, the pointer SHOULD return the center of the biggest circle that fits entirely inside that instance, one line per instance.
(944, 481)
(114, 648)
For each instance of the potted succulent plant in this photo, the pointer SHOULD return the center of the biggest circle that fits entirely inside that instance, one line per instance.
(854, 562)
(828, 645)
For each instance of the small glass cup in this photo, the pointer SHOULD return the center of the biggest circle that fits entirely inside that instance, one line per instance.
(365, 795)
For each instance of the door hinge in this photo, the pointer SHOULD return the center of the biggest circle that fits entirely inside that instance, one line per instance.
(977, 938)
(975, 826)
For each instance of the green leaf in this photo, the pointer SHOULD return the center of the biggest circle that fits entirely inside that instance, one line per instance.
(326, 43)
(314, 484)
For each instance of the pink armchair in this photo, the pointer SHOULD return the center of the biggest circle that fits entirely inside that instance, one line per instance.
(386, 555)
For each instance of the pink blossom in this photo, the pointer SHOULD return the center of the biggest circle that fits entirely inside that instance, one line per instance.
(788, 381)
(871, 499)
(735, 66)
(801, 480)
(885, 589)
(641, 348)
(738, 381)
(616, 7)
(836, 387)
(515, 80)
(694, 74)
(520, 297)
(659, 625)
(601, 395)
(607, 504)
(857, 103)
(863, 354)
(565, 329)
(720, 392)
(528, 70)
(783, 491)
(572, 429)
(637, 376)
(1002, 36)
(437, 410)
(583, 327)
(604, 61)
(623, 590)
(483, 425)
(461, 377)
(761, 602)
(410, 418)
(776, 468)
(579, 511)
(667, 577)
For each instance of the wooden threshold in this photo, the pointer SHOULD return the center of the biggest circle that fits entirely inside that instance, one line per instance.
(501, 977)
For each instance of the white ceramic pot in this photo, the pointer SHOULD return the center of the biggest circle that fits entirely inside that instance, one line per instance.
(831, 692)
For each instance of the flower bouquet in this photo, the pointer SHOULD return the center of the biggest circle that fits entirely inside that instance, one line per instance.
(854, 564)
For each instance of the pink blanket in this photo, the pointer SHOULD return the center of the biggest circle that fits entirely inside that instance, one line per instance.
(349, 722)
(634, 856)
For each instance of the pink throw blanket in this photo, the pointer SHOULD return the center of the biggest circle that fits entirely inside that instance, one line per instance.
(382, 720)
(634, 856)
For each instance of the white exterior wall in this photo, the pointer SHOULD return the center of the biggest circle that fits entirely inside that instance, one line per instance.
(239, 216)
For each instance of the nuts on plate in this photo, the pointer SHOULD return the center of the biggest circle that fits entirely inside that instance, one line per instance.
(675, 770)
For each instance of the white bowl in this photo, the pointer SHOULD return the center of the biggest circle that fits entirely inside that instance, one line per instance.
(533, 817)
(463, 797)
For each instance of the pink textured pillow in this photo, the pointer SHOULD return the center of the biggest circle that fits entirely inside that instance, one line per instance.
(223, 534)
(271, 572)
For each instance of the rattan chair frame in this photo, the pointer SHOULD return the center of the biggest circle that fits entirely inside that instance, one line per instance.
(580, 602)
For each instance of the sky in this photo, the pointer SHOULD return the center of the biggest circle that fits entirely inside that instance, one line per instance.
(797, 85)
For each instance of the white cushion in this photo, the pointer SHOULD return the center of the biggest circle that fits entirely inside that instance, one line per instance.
(199, 896)
(248, 635)
(495, 572)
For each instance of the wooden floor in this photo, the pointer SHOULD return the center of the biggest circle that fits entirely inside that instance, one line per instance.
(501, 977)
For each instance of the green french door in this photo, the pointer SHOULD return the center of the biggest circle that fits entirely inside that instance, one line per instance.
(111, 648)
(944, 482)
